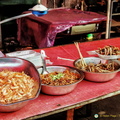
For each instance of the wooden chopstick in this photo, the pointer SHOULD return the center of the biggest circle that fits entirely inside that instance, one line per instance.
(82, 59)
(77, 46)
(65, 59)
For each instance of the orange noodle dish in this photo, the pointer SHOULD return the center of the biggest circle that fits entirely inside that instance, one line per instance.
(60, 78)
(16, 86)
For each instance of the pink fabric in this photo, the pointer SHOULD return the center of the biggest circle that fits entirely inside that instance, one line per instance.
(42, 30)
(84, 92)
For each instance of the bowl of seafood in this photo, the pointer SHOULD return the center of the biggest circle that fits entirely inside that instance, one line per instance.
(19, 83)
(60, 80)
(97, 69)
(108, 52)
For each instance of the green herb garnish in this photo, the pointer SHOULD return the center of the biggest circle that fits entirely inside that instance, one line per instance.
(58, 76)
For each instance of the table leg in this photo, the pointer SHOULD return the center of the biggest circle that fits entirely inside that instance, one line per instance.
(70, 113)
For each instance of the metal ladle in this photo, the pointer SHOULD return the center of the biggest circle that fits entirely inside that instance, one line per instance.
(44, 70)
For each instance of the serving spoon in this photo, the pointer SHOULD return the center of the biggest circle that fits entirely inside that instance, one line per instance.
(44, 70)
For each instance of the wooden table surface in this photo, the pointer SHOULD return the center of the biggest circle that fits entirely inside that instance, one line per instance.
(86, 92)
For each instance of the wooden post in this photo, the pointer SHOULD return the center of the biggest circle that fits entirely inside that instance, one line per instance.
(44, 2)
(39, 1)
(54, 4)
(0, 34)
(109, 18)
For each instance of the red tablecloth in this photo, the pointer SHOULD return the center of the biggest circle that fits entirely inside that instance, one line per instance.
(85, 90)
(42, 30)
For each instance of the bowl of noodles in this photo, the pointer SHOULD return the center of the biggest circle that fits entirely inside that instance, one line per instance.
(97, 69)
(108, 52)
(19, 83)
(60, 80)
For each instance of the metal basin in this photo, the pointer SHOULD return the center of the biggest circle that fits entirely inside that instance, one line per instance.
(19, 65)
(108, 57)
(94, 76)
(60, 90)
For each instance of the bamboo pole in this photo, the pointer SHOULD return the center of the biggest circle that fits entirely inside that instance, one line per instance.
(109, 18)
(54, 4)
(39, 1)
(0, 34)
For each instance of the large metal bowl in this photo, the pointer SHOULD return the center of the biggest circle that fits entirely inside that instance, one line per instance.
(97, 77)
(19, 65)
(60, 90)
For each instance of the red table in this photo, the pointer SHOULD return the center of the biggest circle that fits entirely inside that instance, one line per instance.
(85, 93)
(42, 31)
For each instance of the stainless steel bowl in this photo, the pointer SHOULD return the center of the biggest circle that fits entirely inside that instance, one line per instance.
(97, 77)
(19, 65)
(108, 57)
(60, 90)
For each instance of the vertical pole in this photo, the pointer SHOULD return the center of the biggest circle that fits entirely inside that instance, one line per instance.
(0, 34)
(54, 4)
(69, 3)
(44, 2)
(109, 18)
(82, 6)
(39, 1)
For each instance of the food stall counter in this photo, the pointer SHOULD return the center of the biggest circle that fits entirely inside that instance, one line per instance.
(86, 92)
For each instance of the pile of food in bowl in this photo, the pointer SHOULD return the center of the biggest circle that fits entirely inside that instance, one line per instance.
(60, 80)
(16, 86)
(109, 66)
(19, 83)
(108, 52)
(97, 69)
